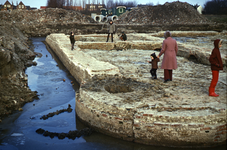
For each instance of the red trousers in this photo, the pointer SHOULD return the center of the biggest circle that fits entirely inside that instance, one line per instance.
(215, 76)
(168, 74)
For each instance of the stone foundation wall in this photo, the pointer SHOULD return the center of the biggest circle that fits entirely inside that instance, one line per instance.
(82, 66)
(151, 42)
(109, 120)
(141, 110)
(113, 114)
(46, 28)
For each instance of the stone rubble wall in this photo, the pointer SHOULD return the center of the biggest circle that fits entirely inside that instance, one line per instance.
(139, 110)
(107, 119)
(187, 33)
(151, 42)
(151, 127)
(147, 123)
(82, 66)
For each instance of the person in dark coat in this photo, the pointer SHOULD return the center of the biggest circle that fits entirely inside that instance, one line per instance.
(216, 65)
(169, 62)
(72, 40)
(111, 30)
(123, 37)
(154, 63)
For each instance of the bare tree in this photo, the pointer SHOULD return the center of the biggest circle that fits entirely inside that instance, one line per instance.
(79, 3)
(216, 7)
(157, 3)
(150, 3)
(75, 3)
(71, 3)
(55, 3)
(67, 3)
(126, 4)
(110, 4)
(83, 3)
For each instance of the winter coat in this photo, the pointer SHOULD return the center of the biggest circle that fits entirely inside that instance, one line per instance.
(123, 37)
(215, 57)
(72, 39)
(154, 63)
(169, 48)
(111, 28)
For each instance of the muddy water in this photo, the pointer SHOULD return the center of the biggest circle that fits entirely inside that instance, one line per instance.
(17, 132)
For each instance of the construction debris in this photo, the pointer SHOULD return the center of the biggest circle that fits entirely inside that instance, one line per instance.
(49, 15)
(167, 14)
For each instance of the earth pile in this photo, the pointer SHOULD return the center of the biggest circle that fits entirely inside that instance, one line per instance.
(167, 14)
(15, 56)
(49, 15)
(42, 22)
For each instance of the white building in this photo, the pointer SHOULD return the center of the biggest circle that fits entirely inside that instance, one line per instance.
(200, 9)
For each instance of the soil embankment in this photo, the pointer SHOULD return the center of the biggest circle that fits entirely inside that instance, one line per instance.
(16, 53)
(15, 56)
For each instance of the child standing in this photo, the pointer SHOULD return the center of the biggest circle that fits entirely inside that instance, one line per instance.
(216, 65)
(72, 40)
(154, 62)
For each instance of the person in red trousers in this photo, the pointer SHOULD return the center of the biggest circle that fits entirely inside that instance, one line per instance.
(216, 65)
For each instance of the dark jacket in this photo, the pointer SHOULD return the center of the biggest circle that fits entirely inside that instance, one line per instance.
(215, 57)
(154, 63)
(123, 37)
(72, 39)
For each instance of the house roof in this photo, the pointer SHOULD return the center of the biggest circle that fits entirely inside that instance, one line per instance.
(7, 3)
(120, 7)
(21, 3)
(43, 7)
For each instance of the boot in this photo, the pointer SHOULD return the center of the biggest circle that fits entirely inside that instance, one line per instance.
(166, 80)
(212, 93)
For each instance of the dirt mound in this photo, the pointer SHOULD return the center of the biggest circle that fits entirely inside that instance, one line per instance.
(50, 15)
(15, 56)
(167, 14)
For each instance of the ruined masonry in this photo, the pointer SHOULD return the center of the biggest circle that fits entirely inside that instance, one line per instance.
(139, 109)
(81, 66)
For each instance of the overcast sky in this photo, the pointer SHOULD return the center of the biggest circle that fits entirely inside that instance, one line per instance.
(38, 3)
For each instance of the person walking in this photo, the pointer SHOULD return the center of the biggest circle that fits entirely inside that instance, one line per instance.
(111, 30)
(154, 63)
(216, 65)
(72, 40)
(169, 62)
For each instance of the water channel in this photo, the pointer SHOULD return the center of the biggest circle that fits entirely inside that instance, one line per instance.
(18, 130)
